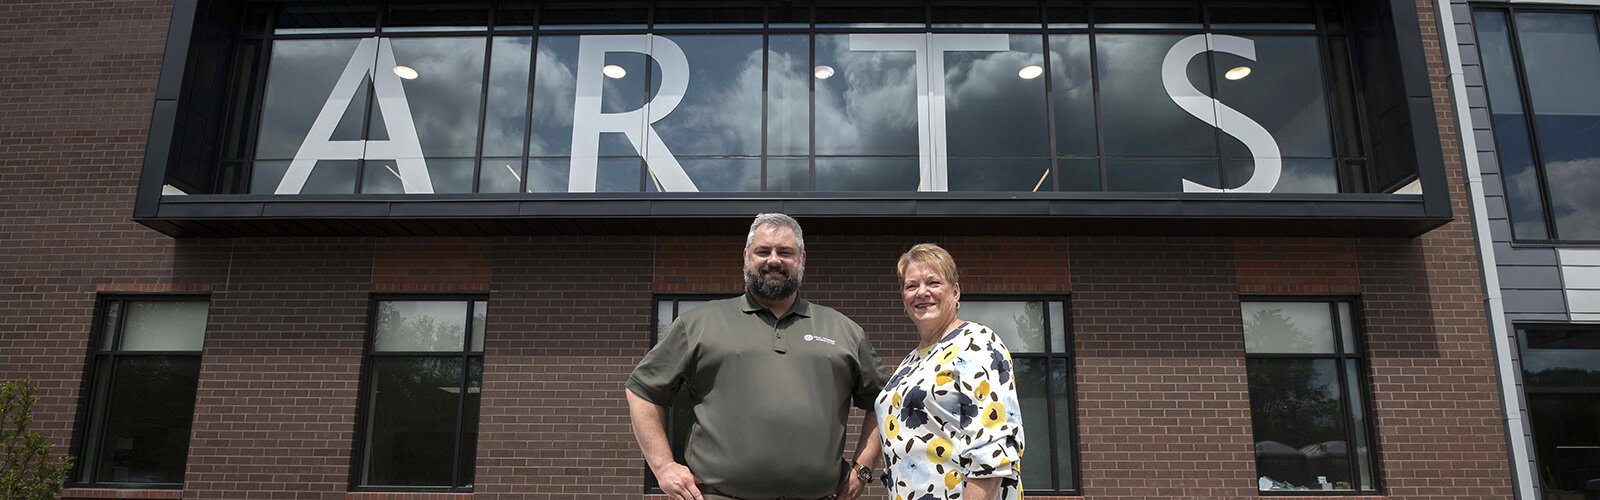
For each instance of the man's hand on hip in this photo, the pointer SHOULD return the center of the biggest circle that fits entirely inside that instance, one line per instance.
(678, 482)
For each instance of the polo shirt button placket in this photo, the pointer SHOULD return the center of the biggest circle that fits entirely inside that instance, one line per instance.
(778, 345)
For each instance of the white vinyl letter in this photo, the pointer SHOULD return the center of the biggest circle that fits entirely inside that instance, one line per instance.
(932, 142)
(588, 122)
(402, 146)
(1175, 77)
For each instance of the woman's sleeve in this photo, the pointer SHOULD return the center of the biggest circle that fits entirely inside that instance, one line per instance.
(990, 438)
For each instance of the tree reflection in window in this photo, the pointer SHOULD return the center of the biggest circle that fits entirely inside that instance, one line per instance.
(1306, 403)
(425, 372)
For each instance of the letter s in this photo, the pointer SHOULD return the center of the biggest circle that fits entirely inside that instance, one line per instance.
(1174, 76)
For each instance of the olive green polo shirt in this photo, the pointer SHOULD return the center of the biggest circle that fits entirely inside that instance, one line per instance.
(771, 395)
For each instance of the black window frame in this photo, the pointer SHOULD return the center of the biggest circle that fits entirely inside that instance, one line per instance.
(1357, 353)
(364, 408)
(1526, 102)
(101, 359)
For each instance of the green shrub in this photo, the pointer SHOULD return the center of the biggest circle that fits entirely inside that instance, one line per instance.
(26, 473)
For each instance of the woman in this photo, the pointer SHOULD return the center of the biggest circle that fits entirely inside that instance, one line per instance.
(951, 427)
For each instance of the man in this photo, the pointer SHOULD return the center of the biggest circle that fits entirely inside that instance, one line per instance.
(771, 379)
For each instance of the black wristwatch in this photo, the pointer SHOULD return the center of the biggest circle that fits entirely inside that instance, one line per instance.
(863, 472)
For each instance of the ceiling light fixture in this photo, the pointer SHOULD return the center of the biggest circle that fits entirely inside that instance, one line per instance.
(613, 71)
(1237, 73)
(822, 72)
(1030, 72)
(405, 72)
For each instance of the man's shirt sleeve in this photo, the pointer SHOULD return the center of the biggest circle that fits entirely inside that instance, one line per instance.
(665, 367)
(873, 375)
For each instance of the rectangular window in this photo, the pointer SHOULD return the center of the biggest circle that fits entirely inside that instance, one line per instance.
(1545, 123)
(1307, 398)
(141, 393)
(1561, 374)
(1035, 331)
(424, 372)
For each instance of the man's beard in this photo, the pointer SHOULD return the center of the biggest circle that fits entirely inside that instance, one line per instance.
(773, 289)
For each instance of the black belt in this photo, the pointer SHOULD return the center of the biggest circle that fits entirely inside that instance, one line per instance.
(706, 488)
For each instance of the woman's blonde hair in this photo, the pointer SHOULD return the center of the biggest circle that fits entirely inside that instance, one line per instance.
(930, 255)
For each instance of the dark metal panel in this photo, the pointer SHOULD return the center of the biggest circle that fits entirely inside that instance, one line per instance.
(484, 227)
(982, 207)
(851, 207)
(1500, 229)
(157, 152)
(179, 32)
(1530, 277)
(579, 208)
(714, 207)
(185, 210)
(328, 209)
(1426, 141)
(406, 228)
(1515, 317)
(1505, 254)
(1534, 301)
(322, 227)
(1495, 210)
(1115, 208)
(455, 209)
(1158, 213)
(442, 227)
(1408, 37)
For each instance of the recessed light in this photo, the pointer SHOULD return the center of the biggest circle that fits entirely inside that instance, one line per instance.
(1237, 73)
(613, 71)
(822, 72)
(1030, 72)
(405, 72)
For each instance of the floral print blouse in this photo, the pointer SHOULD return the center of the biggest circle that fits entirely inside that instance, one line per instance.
(950, 414)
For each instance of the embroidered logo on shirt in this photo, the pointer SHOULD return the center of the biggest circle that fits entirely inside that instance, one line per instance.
(819, 338)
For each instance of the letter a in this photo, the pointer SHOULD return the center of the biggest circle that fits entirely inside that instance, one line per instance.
(402, 145)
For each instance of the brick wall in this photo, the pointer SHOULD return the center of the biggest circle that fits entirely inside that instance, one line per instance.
(76, 89)
(1161, 398)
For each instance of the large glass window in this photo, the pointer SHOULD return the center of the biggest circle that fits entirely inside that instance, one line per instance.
(141, 392)
(1546, 117)
(363, 97)
(424, 374)
(1561, 374)
(1307, 397)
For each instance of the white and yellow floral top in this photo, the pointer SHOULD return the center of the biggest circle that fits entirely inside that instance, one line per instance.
(949, 414)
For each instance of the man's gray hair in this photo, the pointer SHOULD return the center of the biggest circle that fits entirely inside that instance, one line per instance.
(776, 220)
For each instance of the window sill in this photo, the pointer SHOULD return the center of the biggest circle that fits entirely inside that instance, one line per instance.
(85, 493)
(405, 495)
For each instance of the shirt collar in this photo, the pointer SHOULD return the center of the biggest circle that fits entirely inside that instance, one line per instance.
(801, 307)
